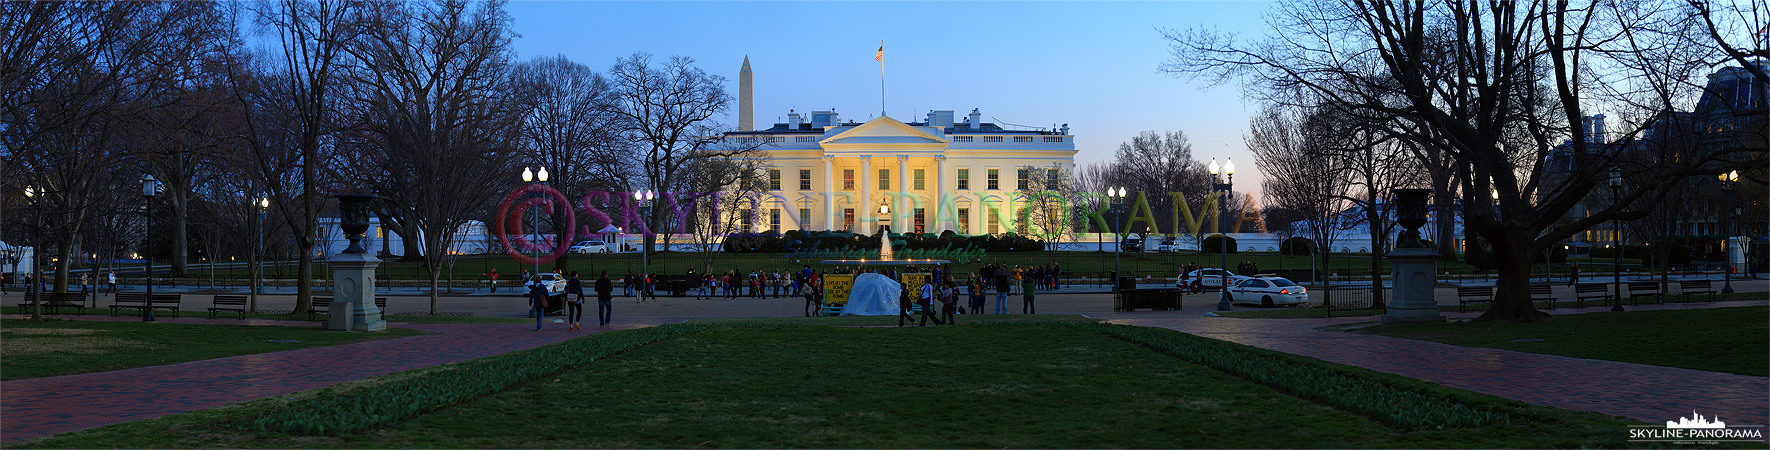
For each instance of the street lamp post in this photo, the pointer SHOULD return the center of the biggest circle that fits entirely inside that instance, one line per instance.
(1228, 171)
(644, 198)
(539, 176)
(1117, 194)
(148, 188)
(1616, 239)
(1727, 181)
(36, 286)
(263, 204)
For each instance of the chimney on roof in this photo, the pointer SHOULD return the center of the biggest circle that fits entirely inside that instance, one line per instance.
(975, 119)
(940, 118)
(1065, 130)
(792, 120)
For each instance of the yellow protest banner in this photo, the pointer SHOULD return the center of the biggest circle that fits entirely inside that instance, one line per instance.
(912, 283)
(836, 288)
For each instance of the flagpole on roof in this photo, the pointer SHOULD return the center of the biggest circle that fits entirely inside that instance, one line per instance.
(881, 58)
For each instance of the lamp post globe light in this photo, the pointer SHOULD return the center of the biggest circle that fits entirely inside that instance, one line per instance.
(1616, 239)
(1117, 194)
(1727, 182)
(644, 198)
(1228, 178)
(539, 176)
(262, 205)
(148, 188)
(36, 287)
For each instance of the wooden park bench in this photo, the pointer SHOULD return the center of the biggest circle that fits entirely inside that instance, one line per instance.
(129, 300)
(233, 303)
(169, 302)
(321, 305)
(1642, 288)
(1543, 293)
(55, 301)
(1473, 294)
(1697, 287)
(1584, 291)
(830, 309)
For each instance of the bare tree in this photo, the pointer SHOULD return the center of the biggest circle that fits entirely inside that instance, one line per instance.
(1303, 174)
(725, 194)
(667, 109)
(292, 114)
(432, 84)
(1496, 85)
(566, 126)
(79, 77)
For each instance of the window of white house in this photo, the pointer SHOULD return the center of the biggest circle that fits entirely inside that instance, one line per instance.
(920, 175)
(964, 179)
(995, 179)
(884, 179)
(804, 179)
(774, 179)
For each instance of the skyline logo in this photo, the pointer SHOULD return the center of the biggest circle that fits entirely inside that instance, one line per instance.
(1696, 429)
(1696, 421)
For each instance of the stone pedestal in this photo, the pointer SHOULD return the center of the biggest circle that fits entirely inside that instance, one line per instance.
(1415, 281)
(353, 288)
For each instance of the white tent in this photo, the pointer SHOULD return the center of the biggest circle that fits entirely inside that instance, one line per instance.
(873, 295)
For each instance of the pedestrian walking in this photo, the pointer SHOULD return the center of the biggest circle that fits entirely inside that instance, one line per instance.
(574, 292)
(605, 290)
(110, 282)
(903, 307)
(949, 302)
(538, 301)
(925, 299)
(1573, 277)
(1026, 298)
(627, 283)
(492, 279)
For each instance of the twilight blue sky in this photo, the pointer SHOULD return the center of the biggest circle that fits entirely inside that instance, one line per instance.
(1089, 64)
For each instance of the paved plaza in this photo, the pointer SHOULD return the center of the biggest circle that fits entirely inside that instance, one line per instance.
(37, 407)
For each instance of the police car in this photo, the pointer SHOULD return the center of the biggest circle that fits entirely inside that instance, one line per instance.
(1268, 291)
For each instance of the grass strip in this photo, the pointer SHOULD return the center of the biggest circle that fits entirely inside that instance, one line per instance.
(359, 410)
(1406, 407)
(56, 347)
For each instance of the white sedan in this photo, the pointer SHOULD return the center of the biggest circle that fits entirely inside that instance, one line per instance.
(1211, 278)
(554, 283)
(1268, 292)
(588, 247)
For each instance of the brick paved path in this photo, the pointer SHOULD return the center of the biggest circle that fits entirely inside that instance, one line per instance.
(37, 407)
(1650, 394)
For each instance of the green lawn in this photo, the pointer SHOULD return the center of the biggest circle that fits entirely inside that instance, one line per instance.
(1731, 340)
(34, 349)
(1020, 386)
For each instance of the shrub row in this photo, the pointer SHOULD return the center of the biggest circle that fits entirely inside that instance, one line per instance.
(1397, 406)
(802, 241)
(385, 404)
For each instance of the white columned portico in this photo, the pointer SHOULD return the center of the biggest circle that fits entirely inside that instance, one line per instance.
(900, 210)
(863, 207)
(829, 194)
(939, 190)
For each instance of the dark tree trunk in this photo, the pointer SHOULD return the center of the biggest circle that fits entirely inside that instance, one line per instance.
(1511, 294)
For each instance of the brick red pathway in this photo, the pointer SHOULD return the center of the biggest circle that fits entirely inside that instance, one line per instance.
(1651, 394)
(42, 406)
